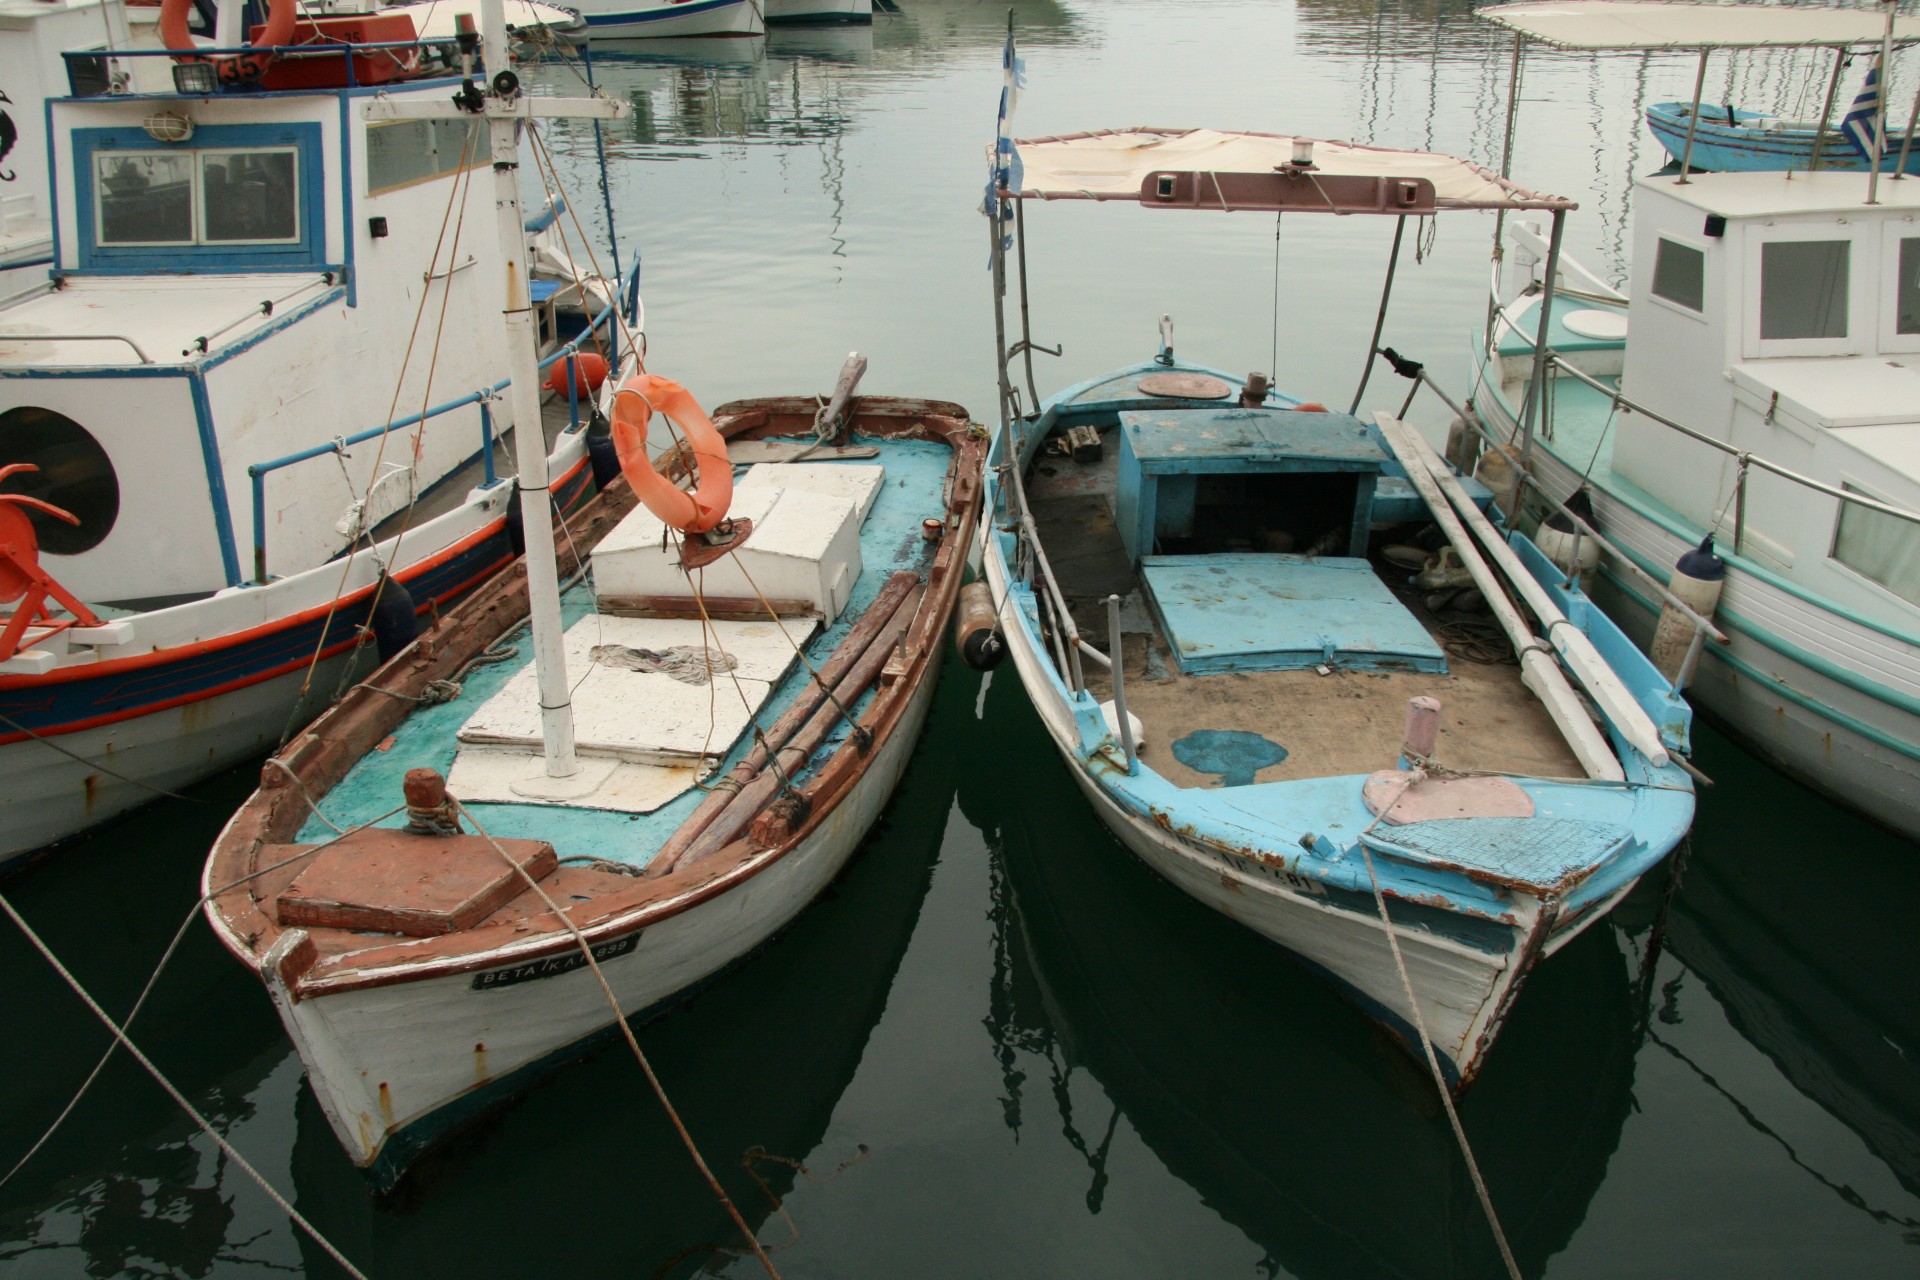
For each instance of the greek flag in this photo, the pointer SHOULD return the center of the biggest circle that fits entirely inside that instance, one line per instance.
(1006, 173)
(1862, 125)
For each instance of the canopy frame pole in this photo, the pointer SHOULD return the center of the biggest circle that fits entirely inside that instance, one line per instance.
(1880, 109)
(1906, 143)
(1693, 118)
(1026, 325)
(1506, 171)
(1536, 384)
(1380, 320)
(995, 236)
(1826, 112)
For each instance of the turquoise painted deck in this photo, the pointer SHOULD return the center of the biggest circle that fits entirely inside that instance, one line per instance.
(1546, 853)
(890, 540)
(1559, 337)
(1271, 612)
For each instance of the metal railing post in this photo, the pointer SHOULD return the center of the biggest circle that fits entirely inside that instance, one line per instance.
(1116, 662)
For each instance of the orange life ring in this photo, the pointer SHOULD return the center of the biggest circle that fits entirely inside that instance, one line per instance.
(234, 68)
(634, 405)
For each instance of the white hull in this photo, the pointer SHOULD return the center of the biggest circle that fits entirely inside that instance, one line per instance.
(819, 11)
(1835, 737)
(404, 1057)
(622, 20)
(1463, 992)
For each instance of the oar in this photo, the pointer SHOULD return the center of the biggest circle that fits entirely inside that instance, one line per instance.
(1538, 670)
(1606, 688)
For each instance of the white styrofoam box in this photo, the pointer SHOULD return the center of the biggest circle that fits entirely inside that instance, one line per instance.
(842, 479)
(648, 717)
(804, 546)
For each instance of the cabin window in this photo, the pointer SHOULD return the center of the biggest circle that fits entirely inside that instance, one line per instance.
(197, 197)
(1803, 289)
(244, 198)
(1883, 548)
(1906, 302)
(1680, 274)
(406, 152)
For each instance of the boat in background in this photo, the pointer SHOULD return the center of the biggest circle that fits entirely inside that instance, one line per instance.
(665, 19)
(817, 12)
(1746, 403)
(1727, 139)
(1245, 555)
(220, 384)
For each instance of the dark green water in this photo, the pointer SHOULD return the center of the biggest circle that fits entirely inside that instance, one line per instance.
(998, 1047)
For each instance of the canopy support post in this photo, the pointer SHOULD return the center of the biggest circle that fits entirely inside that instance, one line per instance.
(1906, 143)
(1380, 320)
(1880, 110)
(1026, 326)
(1506, 171)
(1693, 119)
(1826, 112)
(1536, 384)
(999, 265)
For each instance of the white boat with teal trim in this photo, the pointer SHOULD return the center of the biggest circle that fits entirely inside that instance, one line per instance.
(1751, 384)
(230, 380)
(661, 19)
(1206, 588)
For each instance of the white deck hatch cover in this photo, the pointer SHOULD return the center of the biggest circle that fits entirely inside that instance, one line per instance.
(1641, 24)
(1111, 164)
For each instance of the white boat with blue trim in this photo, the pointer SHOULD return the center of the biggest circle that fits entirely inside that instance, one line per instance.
(230, 379)
(1750, 384)
(1207, 588)
(664, 19)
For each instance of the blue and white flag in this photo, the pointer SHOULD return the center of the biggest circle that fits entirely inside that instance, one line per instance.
(1006, 172)
(1862, 125)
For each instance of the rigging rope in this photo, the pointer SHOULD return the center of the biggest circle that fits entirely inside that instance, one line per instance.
(633, 1043)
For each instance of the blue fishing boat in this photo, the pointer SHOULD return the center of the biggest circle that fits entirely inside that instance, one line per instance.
(1727, 139)
(1207, 587)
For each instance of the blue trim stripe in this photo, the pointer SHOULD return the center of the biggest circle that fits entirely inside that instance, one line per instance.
(642, 16)
(216, 477)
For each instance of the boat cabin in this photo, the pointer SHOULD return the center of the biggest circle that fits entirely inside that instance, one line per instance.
(237, 273)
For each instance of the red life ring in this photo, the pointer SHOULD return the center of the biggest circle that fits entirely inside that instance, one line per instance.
(634, 404)
(233, 68)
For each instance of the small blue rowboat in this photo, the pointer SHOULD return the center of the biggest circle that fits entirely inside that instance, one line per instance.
(1729, 140)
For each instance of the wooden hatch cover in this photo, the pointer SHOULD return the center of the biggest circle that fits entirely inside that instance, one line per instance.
(1185, 386)
(392, 881)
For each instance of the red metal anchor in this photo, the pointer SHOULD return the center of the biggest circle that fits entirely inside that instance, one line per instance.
(22, 578)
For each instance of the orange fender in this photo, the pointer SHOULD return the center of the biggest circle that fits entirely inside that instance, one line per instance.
(634, 405)
(177, 36)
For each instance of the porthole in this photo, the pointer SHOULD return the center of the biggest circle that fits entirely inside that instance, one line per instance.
(75, 475)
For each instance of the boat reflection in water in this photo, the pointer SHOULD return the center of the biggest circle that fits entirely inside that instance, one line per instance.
(1253, 1083)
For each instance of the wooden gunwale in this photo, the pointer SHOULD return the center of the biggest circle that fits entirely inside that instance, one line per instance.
(324, 754)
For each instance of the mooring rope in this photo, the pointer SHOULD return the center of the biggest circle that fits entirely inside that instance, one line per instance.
(633, 1043)
(77, 758)
(1426, 1040)
(159, 1077)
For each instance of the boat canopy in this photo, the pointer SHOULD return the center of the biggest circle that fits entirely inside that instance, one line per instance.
(1208, 169)
(1650, 24)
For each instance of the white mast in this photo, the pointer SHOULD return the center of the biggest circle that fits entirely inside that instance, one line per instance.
(504, 107)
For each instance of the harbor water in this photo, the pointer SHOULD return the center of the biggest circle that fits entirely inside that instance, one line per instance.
(998, 1046)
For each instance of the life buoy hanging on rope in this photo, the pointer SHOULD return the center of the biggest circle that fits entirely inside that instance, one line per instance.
(634, 405)
(233, 68)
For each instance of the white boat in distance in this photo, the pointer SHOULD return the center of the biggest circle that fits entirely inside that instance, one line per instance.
(662, 19)
(1754, 384)
(817, 12)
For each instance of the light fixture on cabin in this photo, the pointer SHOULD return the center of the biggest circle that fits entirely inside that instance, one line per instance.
(195, 79)
(168, 126)
(1302, 153)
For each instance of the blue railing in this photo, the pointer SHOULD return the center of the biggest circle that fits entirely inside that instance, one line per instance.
(259, 471)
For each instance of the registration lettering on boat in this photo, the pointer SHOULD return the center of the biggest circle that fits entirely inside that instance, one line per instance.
(552, 966)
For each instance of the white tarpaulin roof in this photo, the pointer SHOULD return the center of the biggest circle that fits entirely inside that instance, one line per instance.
(1651, 24)
(1111, 165)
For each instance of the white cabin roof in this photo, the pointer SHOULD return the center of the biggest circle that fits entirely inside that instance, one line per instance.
(1843, 393)
(164, 316)
(1110, 164)
(1750, 195)
(1651, 24)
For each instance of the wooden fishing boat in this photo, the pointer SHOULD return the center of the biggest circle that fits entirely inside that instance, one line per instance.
(1238, 718)
(1729, 139)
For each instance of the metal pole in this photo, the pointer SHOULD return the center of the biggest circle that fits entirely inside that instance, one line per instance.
(1536, 385)
(1880, 111)
(1506, 164)
(1380, 320)
(1826, 112)
(1026, 325)
(1693, 119)
(999, 260)
(1906, 143)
